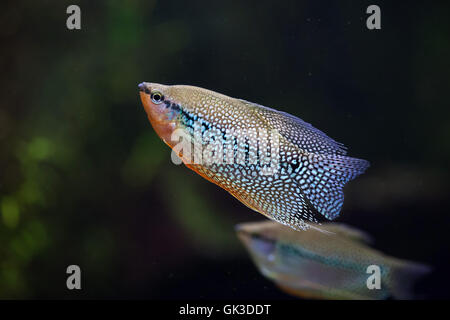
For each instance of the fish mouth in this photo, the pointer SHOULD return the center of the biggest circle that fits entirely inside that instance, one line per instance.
(238, 228)
(242, 233)
(143, 88)
(246, 232)
(144, 93)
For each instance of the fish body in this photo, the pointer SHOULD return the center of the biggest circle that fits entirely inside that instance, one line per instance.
(332, 265)
(305, 180)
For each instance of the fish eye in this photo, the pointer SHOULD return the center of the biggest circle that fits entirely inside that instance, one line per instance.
(157, 97)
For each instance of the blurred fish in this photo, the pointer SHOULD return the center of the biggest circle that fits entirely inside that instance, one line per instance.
(311, 168)
(333, 265)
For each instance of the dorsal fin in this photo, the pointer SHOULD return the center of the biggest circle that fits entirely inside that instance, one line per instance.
(297, 131)
(347, 231)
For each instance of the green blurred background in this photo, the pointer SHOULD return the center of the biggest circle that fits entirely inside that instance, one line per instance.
(85, 180)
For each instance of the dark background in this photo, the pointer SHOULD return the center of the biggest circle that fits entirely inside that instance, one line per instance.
(85, 180)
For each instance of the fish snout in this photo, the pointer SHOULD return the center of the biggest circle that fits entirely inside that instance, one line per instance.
(144, 88)
(241, 233)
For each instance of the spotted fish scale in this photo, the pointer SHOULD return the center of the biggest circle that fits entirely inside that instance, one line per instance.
(311, 171)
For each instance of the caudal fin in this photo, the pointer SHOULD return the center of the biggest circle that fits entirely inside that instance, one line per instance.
(404, 276)
(323, 180)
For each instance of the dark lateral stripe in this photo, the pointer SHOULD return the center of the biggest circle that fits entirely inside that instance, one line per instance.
(175, 107)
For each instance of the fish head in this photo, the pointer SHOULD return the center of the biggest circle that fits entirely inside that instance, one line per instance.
(162, 107)
(258, 240)
(179, 107)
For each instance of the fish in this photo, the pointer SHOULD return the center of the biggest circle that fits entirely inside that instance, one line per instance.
(276, 164)
(333, 265)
